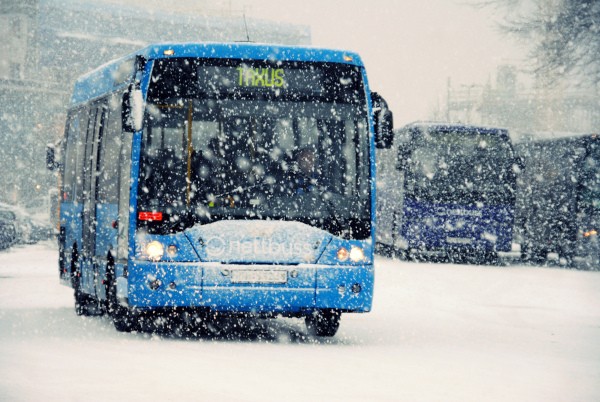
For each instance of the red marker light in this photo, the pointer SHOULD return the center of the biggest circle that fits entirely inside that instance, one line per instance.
(150, 216)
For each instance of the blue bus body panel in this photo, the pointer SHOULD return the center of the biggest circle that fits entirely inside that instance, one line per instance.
(444, 226)
(106, 234)
(200, 273)
(349, 288)
(373, 167)
(181, 284)
(210, 285)
(221, 294)
(258, 242)
(107, 78)
(70, 219)
(184, 250)
(250, 51)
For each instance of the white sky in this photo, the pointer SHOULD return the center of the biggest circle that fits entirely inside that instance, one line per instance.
(410, 47)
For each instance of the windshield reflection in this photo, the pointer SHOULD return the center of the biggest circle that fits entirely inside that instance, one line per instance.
(461, 167)
(206, 160)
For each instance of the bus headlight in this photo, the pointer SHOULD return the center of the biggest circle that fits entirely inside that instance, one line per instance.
(357, 254)
(154, 250)
(172, 250)
(343, 254)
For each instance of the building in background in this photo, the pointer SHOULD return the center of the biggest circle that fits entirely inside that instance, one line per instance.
(46, 44)
(544, 106)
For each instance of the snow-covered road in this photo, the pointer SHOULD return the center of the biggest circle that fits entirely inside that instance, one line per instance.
(438, 332)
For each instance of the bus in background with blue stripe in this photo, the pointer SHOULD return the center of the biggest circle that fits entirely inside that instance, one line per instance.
(447, 190)
(207, 179)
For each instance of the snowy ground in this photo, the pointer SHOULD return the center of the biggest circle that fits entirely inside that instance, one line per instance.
(438, 332)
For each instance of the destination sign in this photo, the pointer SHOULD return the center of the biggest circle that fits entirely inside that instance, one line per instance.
(249, 78)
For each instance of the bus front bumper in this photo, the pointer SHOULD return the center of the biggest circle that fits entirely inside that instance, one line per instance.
(260, 289)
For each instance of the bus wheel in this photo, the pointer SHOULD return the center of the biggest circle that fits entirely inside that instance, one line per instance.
(123, 318)
(195, 323)
(125, 322)
(323, 322)
(525, 253)
(83, 302)
(490, 258)
(533, 254)
(85, 305)
(565, 256)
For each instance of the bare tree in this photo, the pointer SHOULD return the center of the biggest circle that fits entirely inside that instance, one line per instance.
(564, 35)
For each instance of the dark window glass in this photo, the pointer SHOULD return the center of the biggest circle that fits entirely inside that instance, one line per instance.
(233, 140)
(76, 129)
(460, 165)
(108, 164)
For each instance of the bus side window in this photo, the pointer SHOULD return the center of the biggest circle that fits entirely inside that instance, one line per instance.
(109, 158)
(70, 158)
(74, 155)
(86, 129)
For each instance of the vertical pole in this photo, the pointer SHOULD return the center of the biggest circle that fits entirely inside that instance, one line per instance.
(448, 100)
(189, 153)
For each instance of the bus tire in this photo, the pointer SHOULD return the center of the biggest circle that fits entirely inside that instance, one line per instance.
(533, 254)
(125, 322)
(85, 305)
(538, 256)
(323, 322)
(82, 300)
(566, 255)
(74, 269)
(110, 290)
(525, 253)
(123, 319)
(490, 258)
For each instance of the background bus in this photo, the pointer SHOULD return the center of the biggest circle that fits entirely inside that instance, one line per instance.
(221, 178)
(447, 189)
(558, 204)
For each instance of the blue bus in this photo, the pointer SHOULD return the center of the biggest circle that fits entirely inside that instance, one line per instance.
(208, 179)
(447, 190)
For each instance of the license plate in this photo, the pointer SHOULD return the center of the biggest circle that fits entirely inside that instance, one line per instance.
(459, 240)
(247, 276)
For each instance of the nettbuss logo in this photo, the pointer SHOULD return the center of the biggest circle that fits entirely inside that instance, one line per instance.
(219, 246)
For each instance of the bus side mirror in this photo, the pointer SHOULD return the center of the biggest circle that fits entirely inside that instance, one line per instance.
(51, 162)
(383, 122)
(132, 109)
(384, 129)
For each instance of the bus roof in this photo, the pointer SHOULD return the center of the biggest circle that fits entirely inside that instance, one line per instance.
(553, 136)
(106, 78)
(455, 127)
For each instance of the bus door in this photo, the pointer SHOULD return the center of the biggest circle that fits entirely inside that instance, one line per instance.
(390, 196)
(90, 185)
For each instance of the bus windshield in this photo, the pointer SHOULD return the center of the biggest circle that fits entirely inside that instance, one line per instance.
(461, 166)
(225, 140)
